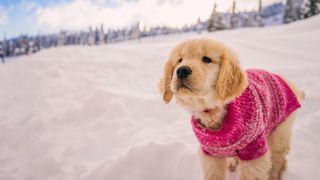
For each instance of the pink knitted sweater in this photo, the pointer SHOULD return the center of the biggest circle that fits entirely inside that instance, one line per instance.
(265, 103)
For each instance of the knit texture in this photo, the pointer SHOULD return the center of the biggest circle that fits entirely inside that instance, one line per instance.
(250, 118)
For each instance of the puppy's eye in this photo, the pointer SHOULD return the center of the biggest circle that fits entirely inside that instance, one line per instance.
(206, 59)
(180, 60)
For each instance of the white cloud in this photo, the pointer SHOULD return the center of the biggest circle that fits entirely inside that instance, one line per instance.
(80, 14)
(3, 16)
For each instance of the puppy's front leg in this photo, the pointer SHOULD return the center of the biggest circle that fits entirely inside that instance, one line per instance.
(257, 169)
(213, 168)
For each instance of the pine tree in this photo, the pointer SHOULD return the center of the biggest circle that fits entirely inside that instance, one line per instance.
(62, 38)
(135, 31)
(249, 19)
(96, 36)
(91, 37)
(234, 19)
(219, 24)
(101, 35)
(292, 11)
(199, 25)
(215, 21)
(211, 22)
(260, 17)
(312, 8)
(2, 52)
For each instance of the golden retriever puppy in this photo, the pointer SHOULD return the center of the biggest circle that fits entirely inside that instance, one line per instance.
(237, 116)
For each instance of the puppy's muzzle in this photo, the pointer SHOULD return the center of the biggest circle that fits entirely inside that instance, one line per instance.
(183, 72)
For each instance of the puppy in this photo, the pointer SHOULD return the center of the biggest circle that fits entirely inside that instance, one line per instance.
(242, 116)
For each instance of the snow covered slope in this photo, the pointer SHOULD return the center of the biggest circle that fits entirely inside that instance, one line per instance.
(95, 113)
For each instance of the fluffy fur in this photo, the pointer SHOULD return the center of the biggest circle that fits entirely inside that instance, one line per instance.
(214, 85)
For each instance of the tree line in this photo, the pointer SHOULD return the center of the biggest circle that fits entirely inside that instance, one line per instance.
(276, 13)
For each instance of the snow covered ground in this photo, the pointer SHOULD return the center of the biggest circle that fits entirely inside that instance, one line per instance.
(95, 113)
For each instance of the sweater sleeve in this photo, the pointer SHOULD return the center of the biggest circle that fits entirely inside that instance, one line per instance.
(255, 149)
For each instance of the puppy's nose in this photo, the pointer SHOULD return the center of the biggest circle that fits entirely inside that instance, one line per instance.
(183, 72)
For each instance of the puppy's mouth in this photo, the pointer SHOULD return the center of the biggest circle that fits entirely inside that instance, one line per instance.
(184, 86)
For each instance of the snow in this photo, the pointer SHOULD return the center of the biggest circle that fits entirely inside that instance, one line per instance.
(83, 113)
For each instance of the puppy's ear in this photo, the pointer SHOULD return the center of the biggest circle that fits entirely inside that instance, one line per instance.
(165, 82)
(231, 80)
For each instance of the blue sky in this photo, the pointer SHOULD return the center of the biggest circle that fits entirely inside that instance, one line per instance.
(18, 16)
(44, 16)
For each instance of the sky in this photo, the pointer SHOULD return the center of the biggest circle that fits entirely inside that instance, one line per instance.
(50, 16)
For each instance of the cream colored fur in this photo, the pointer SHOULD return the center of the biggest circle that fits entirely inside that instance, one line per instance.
(213, 85)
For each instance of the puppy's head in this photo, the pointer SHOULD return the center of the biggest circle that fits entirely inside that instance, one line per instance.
(201, 67)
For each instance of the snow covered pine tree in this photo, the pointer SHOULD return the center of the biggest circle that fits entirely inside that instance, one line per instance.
(215, 21)
(292, 11)
(312, 7)
(2, 53)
